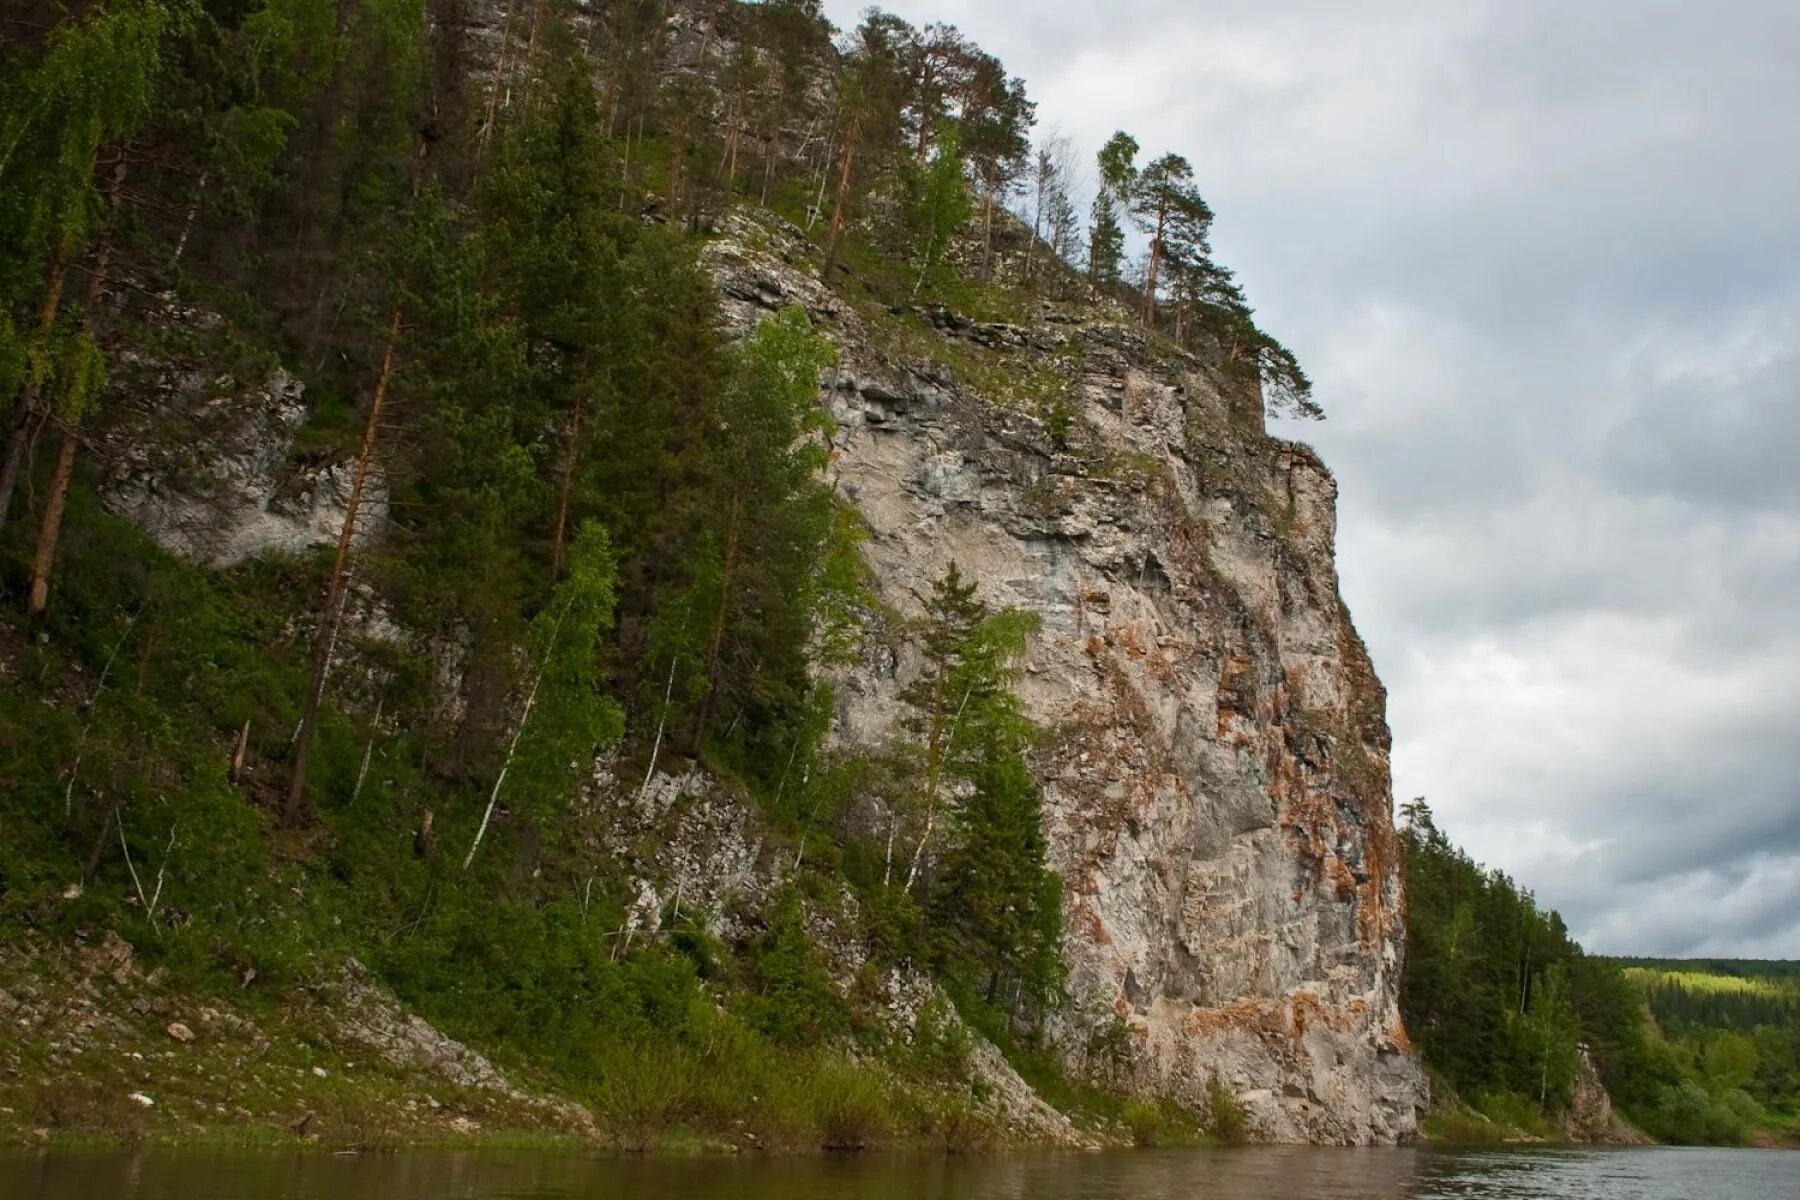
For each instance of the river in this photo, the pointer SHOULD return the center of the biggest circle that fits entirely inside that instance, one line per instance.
(1287, 1173)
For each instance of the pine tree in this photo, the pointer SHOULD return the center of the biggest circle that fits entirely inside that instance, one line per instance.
(995, 120)
(870, 89)
(1171, 213)
(736, 630)
(1106, 237)
(997, 905)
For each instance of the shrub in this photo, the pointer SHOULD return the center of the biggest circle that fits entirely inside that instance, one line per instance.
(1227, 1119)
(795, 1002)
(1145, 1123)
(849, 1104)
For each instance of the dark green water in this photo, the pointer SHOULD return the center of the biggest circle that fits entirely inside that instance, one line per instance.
(1284, 1173)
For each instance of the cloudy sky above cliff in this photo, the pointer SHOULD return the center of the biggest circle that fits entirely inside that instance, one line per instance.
(1543, 263)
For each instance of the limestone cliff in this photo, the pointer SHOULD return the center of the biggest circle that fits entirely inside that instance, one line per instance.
(1216, 772)
(1215, 765)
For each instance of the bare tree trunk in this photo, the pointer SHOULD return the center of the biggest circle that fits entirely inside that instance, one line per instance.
(496, 80)
(887, 866)
(329, 615)
(187, 224)
(45, 557)
(987, 227)
(26, 418)
(531, 44)
(734, 133)
(513, 747)
(44, 560)
(662, 722)
(1156, 250)
(940, 749)
(362, 775)
(846, 162)
(237, 755)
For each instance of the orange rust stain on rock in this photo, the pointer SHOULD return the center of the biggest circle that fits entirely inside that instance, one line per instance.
(1096, 928)
(1130, 638)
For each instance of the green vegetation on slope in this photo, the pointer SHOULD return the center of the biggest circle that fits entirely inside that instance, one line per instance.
(1500, 1001)
(1734, 1025)
(605, 533)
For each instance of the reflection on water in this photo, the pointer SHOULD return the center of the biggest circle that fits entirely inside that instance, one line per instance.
(1290, 1173)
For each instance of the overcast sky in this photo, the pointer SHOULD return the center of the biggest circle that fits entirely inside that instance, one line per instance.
(1542, 260)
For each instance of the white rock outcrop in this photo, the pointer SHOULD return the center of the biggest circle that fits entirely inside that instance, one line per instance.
(205, 460)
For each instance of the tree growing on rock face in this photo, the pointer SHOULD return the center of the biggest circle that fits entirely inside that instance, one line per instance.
(92, 90)
(1168, 209)
(997, 905)
(735, 631)
(792, 36)
(1117, 172)
(565, 717)
(1209, 301)
(1053, 218)
(937, 59)
(938, 205)
(870, 94)
(994, 123)
(994, 905)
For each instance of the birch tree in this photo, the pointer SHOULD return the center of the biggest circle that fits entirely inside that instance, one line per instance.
(564, 717)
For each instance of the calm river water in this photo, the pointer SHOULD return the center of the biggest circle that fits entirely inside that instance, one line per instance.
(1277, 1173)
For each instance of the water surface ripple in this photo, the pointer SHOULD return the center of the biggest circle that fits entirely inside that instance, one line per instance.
(1287, 1173)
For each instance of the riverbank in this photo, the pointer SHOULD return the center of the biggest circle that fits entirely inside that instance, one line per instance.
(97, 1052)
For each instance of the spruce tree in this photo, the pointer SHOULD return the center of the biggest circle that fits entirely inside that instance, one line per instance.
(1106, 237)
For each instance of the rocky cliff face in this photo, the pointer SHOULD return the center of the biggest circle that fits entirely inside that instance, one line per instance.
(1215, 766)
(1216, 770)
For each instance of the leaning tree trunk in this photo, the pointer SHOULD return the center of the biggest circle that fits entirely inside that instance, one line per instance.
(845, 165)
(331, 615)
(25, 422)
(44, 559)
(50, 532)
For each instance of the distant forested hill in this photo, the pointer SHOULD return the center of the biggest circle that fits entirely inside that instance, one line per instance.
(1500, 998)
(1702, 994)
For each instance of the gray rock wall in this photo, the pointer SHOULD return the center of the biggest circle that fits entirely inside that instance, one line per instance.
(1216, 761)
(1216, 771)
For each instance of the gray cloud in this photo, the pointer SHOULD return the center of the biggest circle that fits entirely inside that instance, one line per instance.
(1542, 262)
